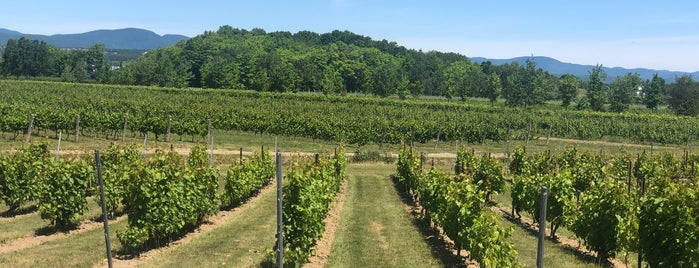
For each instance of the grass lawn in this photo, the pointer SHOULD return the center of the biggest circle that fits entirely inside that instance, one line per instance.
(376, 230)
(26, 225)
(79, 250)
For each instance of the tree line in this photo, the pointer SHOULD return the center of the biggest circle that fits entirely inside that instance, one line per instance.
(341, 62)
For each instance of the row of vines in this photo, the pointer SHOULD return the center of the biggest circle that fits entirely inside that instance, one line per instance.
(458, 204)
(310, 189)
(165, 195)
(106, 110)
(643, 204)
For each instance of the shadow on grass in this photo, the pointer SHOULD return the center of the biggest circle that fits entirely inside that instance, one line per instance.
(440, 248)
(19, 211)
(267, 264)
(569, 249)
(52, 229)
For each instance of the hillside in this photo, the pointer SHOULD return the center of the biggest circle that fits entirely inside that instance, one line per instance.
(559, 68)
(129, 38)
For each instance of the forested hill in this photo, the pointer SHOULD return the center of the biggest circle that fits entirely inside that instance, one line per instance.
(335, 62)
(129, 38)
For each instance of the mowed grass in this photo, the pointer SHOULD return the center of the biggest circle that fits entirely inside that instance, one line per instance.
(555, 255)
(26, 225)
(85, 249)
(375, 228)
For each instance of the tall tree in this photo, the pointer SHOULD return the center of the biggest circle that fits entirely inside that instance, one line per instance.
(653, 92)
(684, 96)
(26, 57)
(455, 78)
(524, 86)
(568, 88)
(596, 89)
(622, 91)
(493, 87)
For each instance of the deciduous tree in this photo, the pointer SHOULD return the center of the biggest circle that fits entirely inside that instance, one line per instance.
(596, 89)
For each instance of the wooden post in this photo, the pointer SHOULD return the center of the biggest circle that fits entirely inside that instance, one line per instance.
(58, 147)
(169, 125)
(31, 126)
(439, 132)
(628, 186)
(77, 128)
(241, 155)
(208, 129)
(422, 158)
(529, 132)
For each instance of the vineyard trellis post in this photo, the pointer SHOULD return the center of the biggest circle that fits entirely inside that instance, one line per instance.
(103, 202)
(169, 125)
(58, 147)
(145, 140)
(542, 228)
(436, 143)
(31, 126)
(280, 226)
(529, 132)
(77, 127)
(211, 155)
(689, 135)
(126, 123)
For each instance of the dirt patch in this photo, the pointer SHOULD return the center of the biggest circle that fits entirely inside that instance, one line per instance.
(561, 240)
(332, 222)
(607, 143)
(213, 222)
(32, 241)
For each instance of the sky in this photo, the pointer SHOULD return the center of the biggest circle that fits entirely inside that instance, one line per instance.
(615, 33)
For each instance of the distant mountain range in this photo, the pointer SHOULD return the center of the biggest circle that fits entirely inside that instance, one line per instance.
(559, 68)
(129, 38)
(140, 39)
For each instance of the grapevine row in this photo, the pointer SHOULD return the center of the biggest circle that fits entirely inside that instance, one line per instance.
(105, 110)
(165, 196)
(643, 204)
(458, 205)
(309, 191)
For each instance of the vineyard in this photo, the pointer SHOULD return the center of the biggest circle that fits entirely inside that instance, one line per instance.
(220, 212)
(113, 111)
(643, 204)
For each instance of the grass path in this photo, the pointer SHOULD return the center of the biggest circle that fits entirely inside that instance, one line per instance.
(376, 229)
(83, 249)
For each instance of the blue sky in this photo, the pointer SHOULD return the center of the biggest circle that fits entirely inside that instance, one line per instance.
(630, 34)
